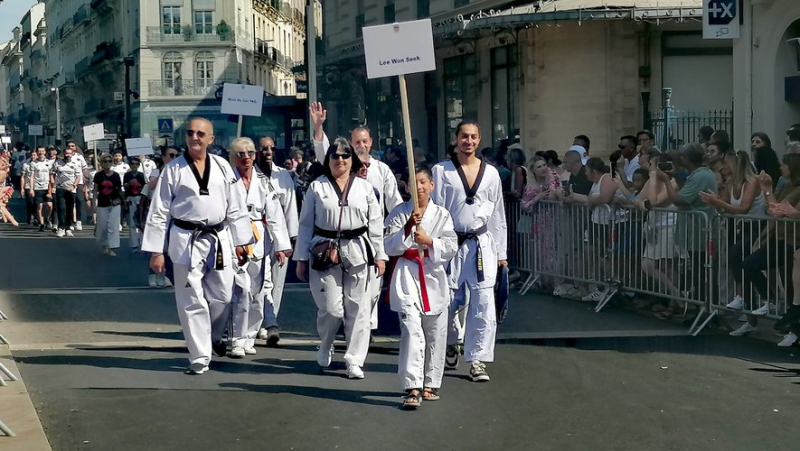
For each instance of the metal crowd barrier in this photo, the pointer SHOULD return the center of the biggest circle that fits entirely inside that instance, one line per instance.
(607, 249)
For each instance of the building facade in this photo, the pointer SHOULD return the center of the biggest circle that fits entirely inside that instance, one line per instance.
(178, 53)
(544, 71)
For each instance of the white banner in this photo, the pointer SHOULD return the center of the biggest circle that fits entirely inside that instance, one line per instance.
(139, 146)
(35, 130)
(721, 19)
(399, 48)
(94, 132)
(245, 100)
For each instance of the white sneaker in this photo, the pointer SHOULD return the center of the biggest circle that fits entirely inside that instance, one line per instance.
(69, 233)
(71, 227)
(745, 329)
(562, 289)
(120, 228)
(736, 304)
(78, 226)
(354, 372)
(151, 280)
(324, 357)
(262, 334)
(250, 350)
(764, 309)
(237, 352)
(60, 233)
(788, 340)
(595, 296)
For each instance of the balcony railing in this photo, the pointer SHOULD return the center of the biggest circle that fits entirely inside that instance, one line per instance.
(80, 15)
(262, 48)
(167, 34)
(195, 88)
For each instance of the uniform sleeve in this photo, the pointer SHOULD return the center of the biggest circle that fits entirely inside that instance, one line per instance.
(395, 242)
(375, 211)
(238, 218)
(438, 186)
(277, 224)
(391, 195)
(305, 232)
(289, 203)
(321, 147)
(155, 231)
(445, 245)
(497, 223)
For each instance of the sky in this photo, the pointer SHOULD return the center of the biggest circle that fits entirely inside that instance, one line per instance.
(11, 12)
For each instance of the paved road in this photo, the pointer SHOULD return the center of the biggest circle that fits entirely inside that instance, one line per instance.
(102, 358)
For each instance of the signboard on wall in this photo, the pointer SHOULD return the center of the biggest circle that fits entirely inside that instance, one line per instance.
(721, 19)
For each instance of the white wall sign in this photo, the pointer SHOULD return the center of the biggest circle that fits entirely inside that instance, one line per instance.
(93, 132)
(244, 100)
(2, 129)
(721, 19)
(399, 48)
(139, 146)
(35, 130)
(6, 140)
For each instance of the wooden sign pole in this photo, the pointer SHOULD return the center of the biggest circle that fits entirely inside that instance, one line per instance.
(412, 180)
(239, 126)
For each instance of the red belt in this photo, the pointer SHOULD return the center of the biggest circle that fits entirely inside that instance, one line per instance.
(413, 255)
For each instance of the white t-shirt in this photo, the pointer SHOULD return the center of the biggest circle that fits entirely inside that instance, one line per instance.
(81, 163)
(148, 166)
(40, 170)
(121, 169)
(67, 175)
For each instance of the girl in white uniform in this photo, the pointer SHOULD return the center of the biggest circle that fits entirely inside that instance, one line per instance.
(421, 300)
(341, 208)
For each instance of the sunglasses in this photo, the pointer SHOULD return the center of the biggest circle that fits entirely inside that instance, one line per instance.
(192, 133)
(172, 155)
(340, 156)
(266, 148)
(248, 153)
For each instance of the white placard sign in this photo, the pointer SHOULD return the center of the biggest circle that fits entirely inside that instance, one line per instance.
(6, 140)
(399, 48)
(139, 146)
(721, 19)
(244, 100)
(94, 132)
(35, 130)
(2, 129)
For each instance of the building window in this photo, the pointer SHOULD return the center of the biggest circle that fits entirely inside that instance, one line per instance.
(171, 19)
(171, 73)
(202, 22)
(204, 70)
(388, 14)
(423, 9)
(359, 25)
(504, 94)
(460, 92)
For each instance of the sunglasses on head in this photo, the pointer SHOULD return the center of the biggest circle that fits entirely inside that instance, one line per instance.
(246, 153)
(342, 156)
(199, 134)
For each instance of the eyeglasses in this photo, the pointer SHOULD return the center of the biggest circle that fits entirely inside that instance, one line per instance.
(247, 153)
(192, 133)
(340, 156)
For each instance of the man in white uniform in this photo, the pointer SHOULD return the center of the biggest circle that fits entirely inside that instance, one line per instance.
(81, 191)
(199, 211)
(379, 175)
(119, 166)
(39, 186)
(255, 275)
(280, 183)
(471, 191)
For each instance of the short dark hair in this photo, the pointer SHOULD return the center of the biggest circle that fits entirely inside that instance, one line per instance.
(598, 165)
(646, 132)
(423, 169)
(643, 172)
(705, 132)
(793, 134)
(517, 156)
(721, 136)
(343, 144)
(693, 152)
(631, 140)
(585, 140)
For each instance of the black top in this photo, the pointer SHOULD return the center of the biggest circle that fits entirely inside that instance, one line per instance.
(579, 184)
(134, 183)
(765, 159)
(108, 187)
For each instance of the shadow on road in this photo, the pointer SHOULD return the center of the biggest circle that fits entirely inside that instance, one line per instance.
(157, 335)
(354, 396)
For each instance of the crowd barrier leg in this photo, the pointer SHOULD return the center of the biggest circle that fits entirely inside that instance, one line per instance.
(6, 430)
(3, 316)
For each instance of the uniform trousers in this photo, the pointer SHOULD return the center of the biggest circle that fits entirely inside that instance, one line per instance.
(423, 339)
(65, 202)
(106, 231)
(272, 303)
(342, 295)
(480, 327)
(249, 301)
(375, 282)
(203, 299)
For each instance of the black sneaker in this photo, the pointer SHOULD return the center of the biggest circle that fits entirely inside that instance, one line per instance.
(196, 369)
(792, 315)
(41, 228)
(451, 357)
(273, 336)
(220, 348)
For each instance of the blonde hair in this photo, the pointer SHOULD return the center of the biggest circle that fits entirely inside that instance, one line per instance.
(240, 144)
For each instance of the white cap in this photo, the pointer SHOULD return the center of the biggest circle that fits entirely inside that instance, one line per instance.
(581, 151)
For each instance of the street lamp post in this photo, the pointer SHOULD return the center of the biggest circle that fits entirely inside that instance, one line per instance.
(57, 90)
(129, 62)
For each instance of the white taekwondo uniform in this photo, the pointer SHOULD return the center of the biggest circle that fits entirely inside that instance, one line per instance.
(380, 176)
(423, 318)
(280, 183)
(202, 258)
(255, 276)
(479, 219)
(339, 292)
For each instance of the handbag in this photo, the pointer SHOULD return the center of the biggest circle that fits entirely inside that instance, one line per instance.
(325, 255)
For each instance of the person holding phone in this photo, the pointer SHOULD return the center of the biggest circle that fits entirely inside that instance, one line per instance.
(544, 185)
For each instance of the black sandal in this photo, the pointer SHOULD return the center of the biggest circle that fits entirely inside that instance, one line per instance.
(430, 394)
(412, 401)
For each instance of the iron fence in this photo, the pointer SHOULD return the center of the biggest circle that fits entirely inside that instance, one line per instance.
(684, 126)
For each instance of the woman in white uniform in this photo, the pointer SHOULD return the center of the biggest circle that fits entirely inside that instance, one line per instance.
(419, 291)
(341, 218)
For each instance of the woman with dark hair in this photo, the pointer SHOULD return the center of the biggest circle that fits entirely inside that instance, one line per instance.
(340, 236)
(519, 173)
(764, 157)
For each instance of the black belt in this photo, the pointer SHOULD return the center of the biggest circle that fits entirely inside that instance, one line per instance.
(344, 234)
(473, 235)
(201, 229)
